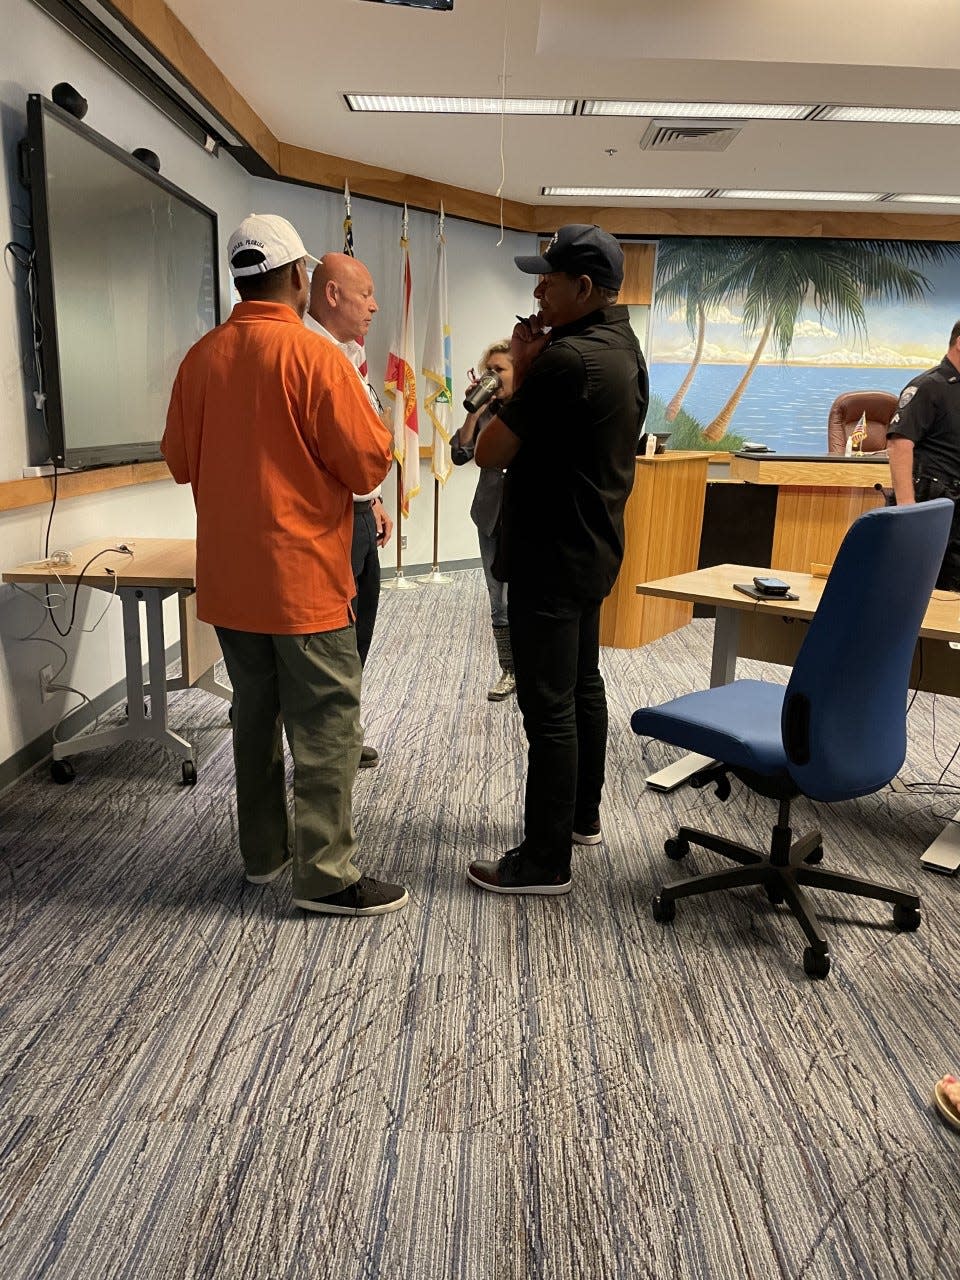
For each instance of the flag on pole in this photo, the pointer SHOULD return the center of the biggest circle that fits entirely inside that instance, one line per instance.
(348, 250)
(859, 434)
(347, 222)
(437, 366)
(401, 383)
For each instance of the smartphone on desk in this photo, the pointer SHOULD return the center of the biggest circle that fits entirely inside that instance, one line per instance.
(755, 592)
(771, 586)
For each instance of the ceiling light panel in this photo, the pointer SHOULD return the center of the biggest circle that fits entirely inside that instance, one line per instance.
(461, 106)
(666, 193)
(890, 115)
(845, 197)
(701, 110)
(914, 199)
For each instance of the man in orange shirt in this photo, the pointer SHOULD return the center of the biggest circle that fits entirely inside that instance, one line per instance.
(274, 432)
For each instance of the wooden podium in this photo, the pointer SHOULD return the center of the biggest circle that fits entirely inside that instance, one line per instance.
(818, 500)
(663, 519)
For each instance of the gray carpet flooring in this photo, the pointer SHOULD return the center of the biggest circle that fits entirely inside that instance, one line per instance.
(197, 1080)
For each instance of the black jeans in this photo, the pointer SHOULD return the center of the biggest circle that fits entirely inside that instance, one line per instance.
(925, 488)
(366, 571)
(560, 691)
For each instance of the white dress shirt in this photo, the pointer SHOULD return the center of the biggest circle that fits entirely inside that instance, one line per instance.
(354, 353)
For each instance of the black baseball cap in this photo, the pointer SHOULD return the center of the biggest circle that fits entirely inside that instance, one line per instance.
(580, 249)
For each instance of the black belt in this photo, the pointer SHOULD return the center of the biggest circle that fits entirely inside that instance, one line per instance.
(936, 486)
(362, 504)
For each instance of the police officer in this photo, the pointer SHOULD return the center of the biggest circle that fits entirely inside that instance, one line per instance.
(923, 443)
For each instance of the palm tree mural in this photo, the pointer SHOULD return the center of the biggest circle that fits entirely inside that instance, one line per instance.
(776, 278)
(687, 271)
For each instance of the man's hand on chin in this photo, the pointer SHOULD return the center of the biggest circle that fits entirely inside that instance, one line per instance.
(526, 343)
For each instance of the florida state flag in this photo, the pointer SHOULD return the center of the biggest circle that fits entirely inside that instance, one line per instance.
(401, 384)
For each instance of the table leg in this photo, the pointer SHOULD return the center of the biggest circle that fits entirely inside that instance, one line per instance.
(138, 724)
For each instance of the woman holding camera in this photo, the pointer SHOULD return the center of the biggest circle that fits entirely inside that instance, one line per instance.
(487, 503)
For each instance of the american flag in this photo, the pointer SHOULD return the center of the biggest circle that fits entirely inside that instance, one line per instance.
(348, 250)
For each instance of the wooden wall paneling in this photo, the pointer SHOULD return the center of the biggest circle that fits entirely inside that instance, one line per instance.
(790, 223)
(311, 168)
(663, 520)
(811, 523)
(639, 262)
(38, 491)
(812, 472)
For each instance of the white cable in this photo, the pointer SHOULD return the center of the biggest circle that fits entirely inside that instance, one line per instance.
(47, 608)
(68, 688)
(103, 614)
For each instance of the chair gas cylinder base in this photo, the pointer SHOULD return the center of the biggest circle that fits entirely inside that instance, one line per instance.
(836, 732)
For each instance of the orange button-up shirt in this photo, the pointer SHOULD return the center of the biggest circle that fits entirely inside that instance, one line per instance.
(272, 428)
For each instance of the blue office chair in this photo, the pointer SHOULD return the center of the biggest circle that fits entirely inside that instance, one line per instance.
(837, 731)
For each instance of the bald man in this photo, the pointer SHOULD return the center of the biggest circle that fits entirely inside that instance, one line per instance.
(341, 309)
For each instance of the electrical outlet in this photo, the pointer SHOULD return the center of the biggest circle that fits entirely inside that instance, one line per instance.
(403, 542)
(46, 679)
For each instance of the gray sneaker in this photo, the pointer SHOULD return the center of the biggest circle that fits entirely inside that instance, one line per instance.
(503, 688)
(364, 898)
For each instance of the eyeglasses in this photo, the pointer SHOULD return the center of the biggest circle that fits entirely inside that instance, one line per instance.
(374, 398)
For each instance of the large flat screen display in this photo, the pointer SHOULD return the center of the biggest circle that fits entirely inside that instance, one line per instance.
(126, 282)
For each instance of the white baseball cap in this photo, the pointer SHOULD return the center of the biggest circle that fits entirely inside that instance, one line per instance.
(263, 242)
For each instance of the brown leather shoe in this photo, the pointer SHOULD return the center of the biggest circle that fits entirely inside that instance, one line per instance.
(511, 874)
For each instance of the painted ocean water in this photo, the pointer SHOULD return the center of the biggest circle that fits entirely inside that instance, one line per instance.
(784, 407)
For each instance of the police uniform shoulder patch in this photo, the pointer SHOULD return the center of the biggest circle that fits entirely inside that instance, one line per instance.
(906, 396)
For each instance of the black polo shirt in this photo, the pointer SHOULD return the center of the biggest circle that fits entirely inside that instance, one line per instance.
(929, 415)
(579, 414)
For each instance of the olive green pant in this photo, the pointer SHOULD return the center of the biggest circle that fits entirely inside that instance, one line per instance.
(308, 685)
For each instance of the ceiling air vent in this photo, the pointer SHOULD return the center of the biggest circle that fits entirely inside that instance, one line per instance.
(671, 135)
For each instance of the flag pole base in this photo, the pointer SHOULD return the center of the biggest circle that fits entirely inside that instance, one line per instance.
(436, 578)
(399, 583)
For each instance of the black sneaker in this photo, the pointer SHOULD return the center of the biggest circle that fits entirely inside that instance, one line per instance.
(369, 756)
(511, 874)
(364, 898)
(587, 832)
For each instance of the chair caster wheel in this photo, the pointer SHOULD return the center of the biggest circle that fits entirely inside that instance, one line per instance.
(775, 895)
(676, 849)
(664, 909)
(188, 771)
(906, 919)
(814, 856)
(62, 771)
(816, 964)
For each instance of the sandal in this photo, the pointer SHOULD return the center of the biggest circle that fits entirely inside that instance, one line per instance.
(948, 1111)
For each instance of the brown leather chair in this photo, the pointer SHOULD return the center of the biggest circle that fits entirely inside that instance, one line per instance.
(847, 410)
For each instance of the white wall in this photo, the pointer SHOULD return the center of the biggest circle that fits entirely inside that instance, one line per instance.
(485, 292)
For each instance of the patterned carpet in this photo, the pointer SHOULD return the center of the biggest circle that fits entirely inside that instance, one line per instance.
(199, 1081)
